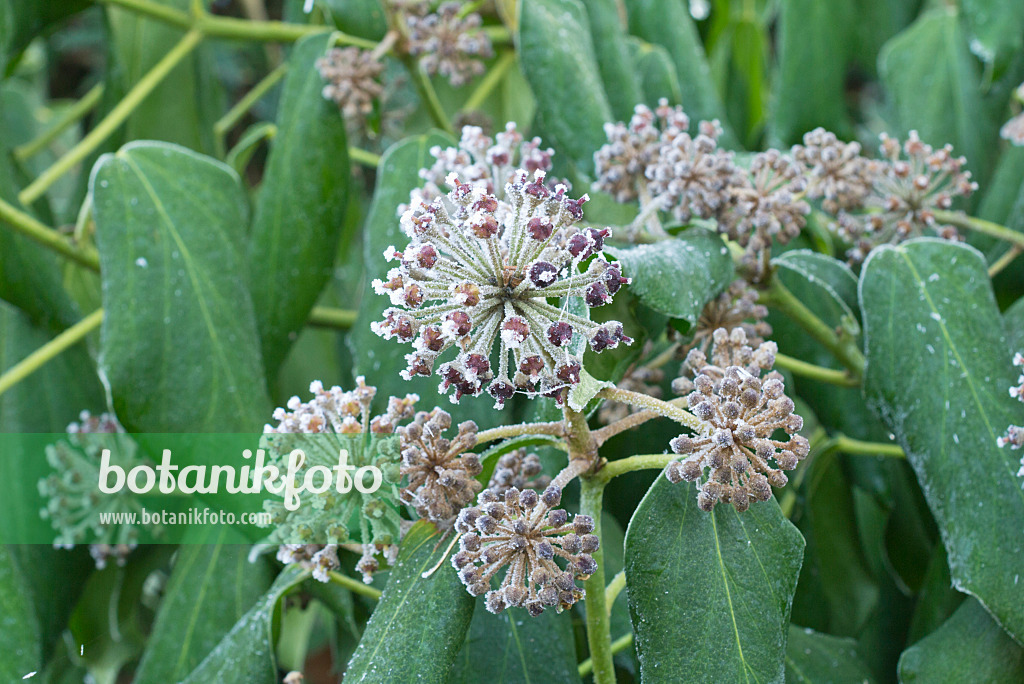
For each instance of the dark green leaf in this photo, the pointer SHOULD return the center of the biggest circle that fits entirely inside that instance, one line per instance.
(557, 57)
(818, 658)
(608, 32)
(19, 629)
(995, 28)
(363, 18)
(829, 285)
(179, 345)
(656, 71)
(300, 208)
(811, 80)
(969, 647)
(669, 25)
(419, 623)
(23, 20)
(937, 599)
(512, 647)
(935, 86)
(212, 586)
(677, 277)
(710, 593)
(246, 654)
(948, 403)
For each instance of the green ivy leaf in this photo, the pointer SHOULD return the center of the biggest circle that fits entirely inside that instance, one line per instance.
(557, 57)
(212, 586)
(246, 654)
(710, 593)
(813, 657)
(511, 647)
(419, 623)
(947, 403)
(969, 647)
(300, 207)
(935, 87)
(178, 344)
(677, 277)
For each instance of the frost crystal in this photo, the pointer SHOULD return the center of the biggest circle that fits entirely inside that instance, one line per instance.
(524, 531)
(471, 278)
(739, 411)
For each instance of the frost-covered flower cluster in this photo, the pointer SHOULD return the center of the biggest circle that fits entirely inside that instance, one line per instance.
(908, 185)
(484, 161)
(335, 420)
(655, 159)
(739, 411)
(321, 559)
(835, 171)
(448, 43)
(520, 470)
(736, 307)
(1013, 130)
(1015, 434)
(441, 474)
(353, 81)
(523, 530)
(471, 278)
(74, 503)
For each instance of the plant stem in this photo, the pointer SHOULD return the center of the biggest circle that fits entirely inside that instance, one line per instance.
(65, 120)
(154, 10)
(809, 370)
(61, 343)
(613, 589)
(856, 447)
(660, 407)
(505, 431)
(113, 120)
(599, 636)
(327, 317)
(844, 348)
(489, 82)
(622, 466)
(1005, 260)
(234, 115)
(602, 435)
(618, 645)
(955, 218)
(427, 94)
(364, 157)
(355, 586)
(48, 237)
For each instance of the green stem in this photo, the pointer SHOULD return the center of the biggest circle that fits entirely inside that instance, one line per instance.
(364, 157)
(327, 317)
(599, 636)
(65, 120)
(154, 10)
(618, 645)
(955, 218)
(427, 94)
(235, 114)
(113, 120)
(506, 431)
(844, 347)
(353, 585)
(856, 447)
(48, 237)
(490, 81)
(59, 344)
(614, 588)
(640, 462)
(650, 403)
(809, 370)
(1005, 260)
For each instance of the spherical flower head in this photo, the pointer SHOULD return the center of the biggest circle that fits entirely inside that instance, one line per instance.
(332, 422)
(636, 379)
(764, 205)
(908, 185)
(74, 502)
(736, 307)
(835, 171)
(441, 474)
(448, 44)
(517, 470)
(621, 164)
(470, 281)
(320, 559)
(739, 411)
(482, 161)
(353, 81)
(523, 530)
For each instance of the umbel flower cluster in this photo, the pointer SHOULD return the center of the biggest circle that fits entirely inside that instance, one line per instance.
(353, 81)
(74, 504)
(332, 421)
(447, 43)
(1015, 434)
(472, 277)
(523, 530)
(739, 411)
(736, 307)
